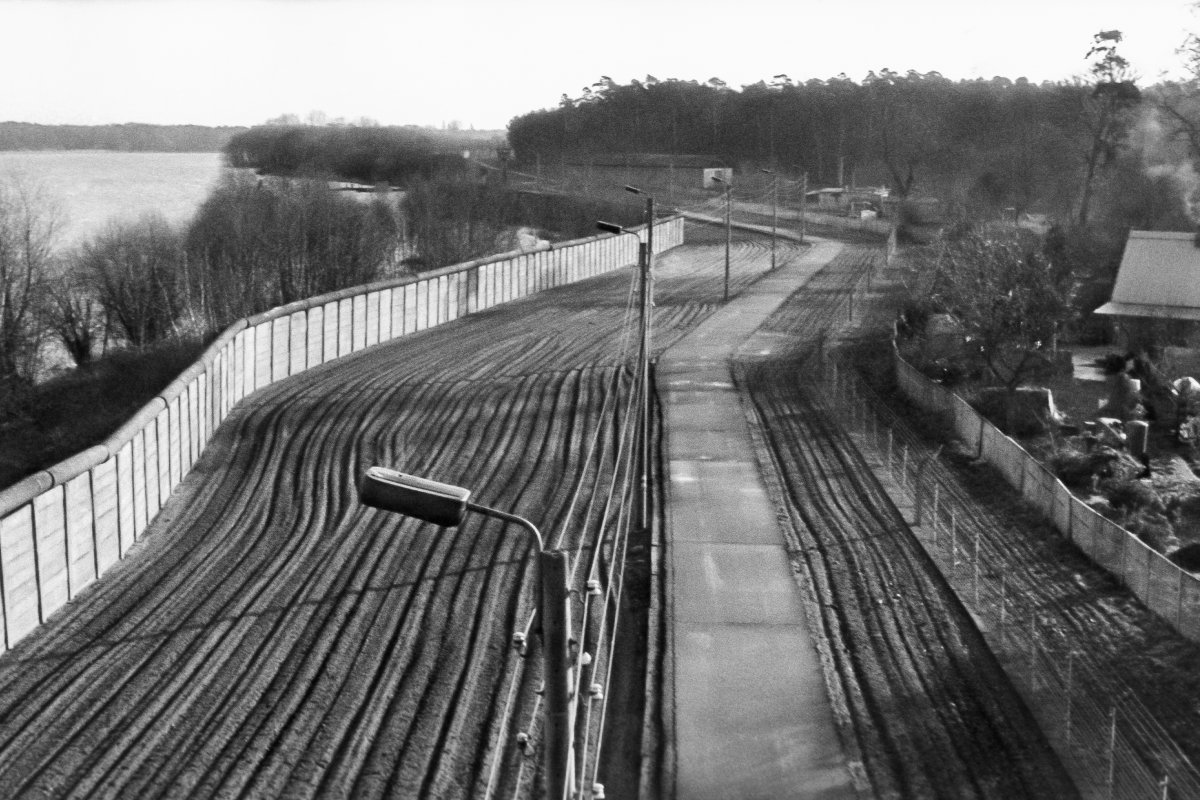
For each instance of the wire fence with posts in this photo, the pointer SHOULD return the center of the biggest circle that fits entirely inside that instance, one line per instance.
(1106, 738)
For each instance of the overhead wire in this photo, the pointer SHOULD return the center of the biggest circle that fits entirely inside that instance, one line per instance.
(601, 428)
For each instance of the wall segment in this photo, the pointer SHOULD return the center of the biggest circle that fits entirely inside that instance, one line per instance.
(62, 528)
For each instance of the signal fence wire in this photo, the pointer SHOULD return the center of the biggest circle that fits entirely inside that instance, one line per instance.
(1110, 743)
(521, 652)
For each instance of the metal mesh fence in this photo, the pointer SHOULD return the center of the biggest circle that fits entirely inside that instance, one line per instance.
(1107, 739)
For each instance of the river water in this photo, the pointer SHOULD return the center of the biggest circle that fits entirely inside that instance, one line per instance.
(92, 187)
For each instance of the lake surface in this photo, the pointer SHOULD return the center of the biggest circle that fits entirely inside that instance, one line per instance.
(92, 187)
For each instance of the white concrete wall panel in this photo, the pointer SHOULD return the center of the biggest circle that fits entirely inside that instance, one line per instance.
(359, 304)
(507, 281)
(50, 526)
(81, 533)
(422, 301)
(297, 342)
(453, 290)
(280, 344)
(443, 299)
(140, 477)
(397, 311)
(190, 426)
(106, 495)
(385, 315)
(345, 337)
(18, 561)
(204, 414)
(176, 430)
(330, 330)
(239, 366)
(262, 354)
(409, 317)
(126, 498)
(162, 447)
(372, 329)
(314, 337)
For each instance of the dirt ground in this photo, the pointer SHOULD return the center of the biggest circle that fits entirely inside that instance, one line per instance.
(924, 709)
(272, 637)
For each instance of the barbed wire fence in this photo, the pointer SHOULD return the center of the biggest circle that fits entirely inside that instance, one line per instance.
(1109, 742)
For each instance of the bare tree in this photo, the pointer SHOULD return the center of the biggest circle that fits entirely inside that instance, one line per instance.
(29, 223)
(72, 313)
(1009, 297)
(137, 274)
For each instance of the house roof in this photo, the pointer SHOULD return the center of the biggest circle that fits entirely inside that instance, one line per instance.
(1159, 277)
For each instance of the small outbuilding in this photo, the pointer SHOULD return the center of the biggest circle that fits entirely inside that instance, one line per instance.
(1159, 278)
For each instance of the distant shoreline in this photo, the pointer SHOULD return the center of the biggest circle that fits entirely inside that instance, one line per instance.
(129, 137)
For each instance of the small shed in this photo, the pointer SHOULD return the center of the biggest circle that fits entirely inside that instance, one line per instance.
(1159, 278)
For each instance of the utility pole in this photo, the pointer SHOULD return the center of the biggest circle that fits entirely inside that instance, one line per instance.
(728, 230)
(647, 260)
(803, 201)
(559, 757)
(646, 284)
(774, 210)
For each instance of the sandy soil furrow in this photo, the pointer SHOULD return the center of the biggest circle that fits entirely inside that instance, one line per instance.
(930, 710)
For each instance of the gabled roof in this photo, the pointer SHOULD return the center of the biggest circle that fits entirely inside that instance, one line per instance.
(1159, 277)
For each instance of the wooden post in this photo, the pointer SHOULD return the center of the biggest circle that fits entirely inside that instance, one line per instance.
(560, 723)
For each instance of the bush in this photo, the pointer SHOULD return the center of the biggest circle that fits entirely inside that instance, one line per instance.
(1132, 496)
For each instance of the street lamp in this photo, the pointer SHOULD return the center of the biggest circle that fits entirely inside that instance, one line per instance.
(445, 505)
(803, 196)
(728, 228)
(774, 210)
(645, 266)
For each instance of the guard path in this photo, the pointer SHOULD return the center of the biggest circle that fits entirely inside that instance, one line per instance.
(751, 713)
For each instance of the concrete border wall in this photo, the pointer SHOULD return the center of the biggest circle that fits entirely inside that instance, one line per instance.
(1167, 590)
(62, 528)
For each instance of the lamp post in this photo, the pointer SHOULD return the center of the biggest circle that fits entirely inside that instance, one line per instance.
(803, 196)
(774, 210)
(728, 228)
(645, 267)
(446, 505)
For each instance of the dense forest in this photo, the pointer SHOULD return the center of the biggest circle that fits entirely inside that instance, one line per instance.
(980, 145)
(367, 154)
(129, 137)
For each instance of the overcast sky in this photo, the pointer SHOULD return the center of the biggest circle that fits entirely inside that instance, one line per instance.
(483, 62)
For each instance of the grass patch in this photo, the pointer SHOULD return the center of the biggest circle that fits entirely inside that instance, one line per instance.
(70, 413)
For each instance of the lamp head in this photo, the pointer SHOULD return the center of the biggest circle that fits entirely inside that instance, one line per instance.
(390, 490)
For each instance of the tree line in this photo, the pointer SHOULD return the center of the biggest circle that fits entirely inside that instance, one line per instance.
(396, 155)
(129, 137)
(1068, 148)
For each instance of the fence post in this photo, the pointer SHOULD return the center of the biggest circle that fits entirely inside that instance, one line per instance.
(1111, 780)
(1003, 608)
(1070, 690)
(1033, 654)
(953, 546)
(889, 452)
(919, 478)
(976, 560)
